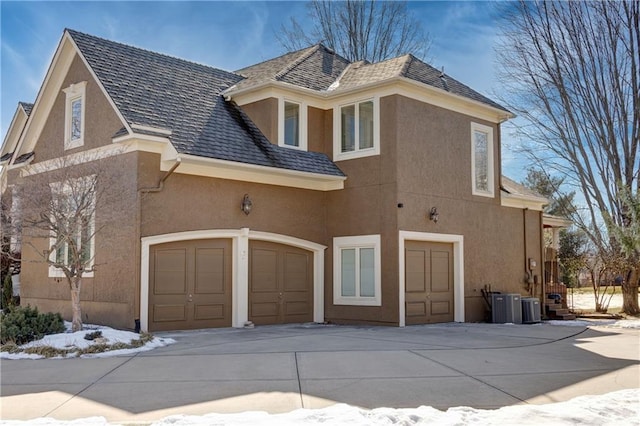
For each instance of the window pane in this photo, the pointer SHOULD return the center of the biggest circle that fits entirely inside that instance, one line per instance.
(366, 124)
(76, 119)
(367, 272)
(291, 124)
(85, 239)
(481, 161)
(349, 272)
(348, 128)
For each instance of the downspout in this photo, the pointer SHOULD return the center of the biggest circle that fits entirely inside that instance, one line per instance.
(160, 185)
(141, 191)
(543, 282)
(527, 271)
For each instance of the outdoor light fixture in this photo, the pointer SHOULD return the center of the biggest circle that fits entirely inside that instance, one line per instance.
(246, 204)
(434, 215)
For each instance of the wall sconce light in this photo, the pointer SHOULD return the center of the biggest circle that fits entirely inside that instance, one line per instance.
(246, 204)
(434, 215)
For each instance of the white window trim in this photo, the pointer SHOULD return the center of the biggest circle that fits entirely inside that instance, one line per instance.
(490, 161)
(361, 241)
(57, 272)
(338, 155)
(74, 92)
(302, 137)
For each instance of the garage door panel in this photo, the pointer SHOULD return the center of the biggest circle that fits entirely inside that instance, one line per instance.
(264, 309)
(440, 265)
(296, 308)
(416, 309)
(164, 313)
(171, 272)
(210, 274)
(415, 271)
(440, 308)
(264, 270)
(296, 272)
(208, 312)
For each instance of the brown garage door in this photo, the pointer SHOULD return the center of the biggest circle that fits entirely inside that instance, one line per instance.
(428, 282)
(280, 284)
(190, 285)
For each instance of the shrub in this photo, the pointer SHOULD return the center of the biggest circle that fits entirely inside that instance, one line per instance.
(25, 324)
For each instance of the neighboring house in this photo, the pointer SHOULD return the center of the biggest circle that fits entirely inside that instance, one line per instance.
(375, 190)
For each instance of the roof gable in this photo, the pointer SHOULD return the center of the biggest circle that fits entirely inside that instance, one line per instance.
(157, 91)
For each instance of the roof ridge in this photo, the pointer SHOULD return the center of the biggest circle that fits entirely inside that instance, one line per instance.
(272, 59)
(336, 82)
(407, 63)
(142, 49)
(304, 56)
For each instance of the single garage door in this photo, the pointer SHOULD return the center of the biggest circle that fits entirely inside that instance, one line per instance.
(280, 284)
(428, 282)
(190, 285)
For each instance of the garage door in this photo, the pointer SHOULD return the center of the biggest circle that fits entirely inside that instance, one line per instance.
(428, 282)
(280, 284)
(190, 285)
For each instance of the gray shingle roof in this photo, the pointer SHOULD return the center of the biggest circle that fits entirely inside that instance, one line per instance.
(155, 90)
(321, 69)
(27, 107)
(314, 67)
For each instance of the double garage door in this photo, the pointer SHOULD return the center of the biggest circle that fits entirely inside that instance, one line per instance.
(191, 284)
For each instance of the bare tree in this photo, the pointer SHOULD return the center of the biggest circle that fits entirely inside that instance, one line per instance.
(59, 217)
(571, 70)
(359, 30)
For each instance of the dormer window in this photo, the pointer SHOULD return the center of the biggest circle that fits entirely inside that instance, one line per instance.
(292, 124)
(74, 115)
(357, 128)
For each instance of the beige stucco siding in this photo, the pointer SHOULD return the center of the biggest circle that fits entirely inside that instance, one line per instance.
(110, 296)
(191, 203)
(264, 115)
(368, 205)
(101, 121)
(434, 170)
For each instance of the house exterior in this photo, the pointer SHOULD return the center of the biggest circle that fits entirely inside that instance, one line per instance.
(375, 190)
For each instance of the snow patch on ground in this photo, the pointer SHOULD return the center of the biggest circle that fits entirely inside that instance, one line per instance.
(76, 340)
(635, 324)
(612, 409)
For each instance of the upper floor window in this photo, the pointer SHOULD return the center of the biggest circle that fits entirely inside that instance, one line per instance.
(292, 124)
(74, 115)
(482, 160)
(356, 264)
(357, 130)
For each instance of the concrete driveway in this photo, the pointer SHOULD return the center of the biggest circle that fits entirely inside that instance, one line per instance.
(282, 368)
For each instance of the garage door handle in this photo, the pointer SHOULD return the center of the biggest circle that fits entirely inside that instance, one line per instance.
(190, 298)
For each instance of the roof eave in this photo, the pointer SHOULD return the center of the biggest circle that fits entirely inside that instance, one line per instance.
(521, 201)
(224, 169)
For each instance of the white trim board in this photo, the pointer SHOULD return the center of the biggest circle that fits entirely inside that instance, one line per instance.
(240, 268)
(458, 269)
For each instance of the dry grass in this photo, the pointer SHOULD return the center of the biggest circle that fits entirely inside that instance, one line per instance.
(52, 352)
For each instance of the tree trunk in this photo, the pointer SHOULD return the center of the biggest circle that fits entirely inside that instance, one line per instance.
(76, 321)
(630, 293)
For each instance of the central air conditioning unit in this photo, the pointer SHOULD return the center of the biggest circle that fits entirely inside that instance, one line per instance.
(530, 310)
(506, 308)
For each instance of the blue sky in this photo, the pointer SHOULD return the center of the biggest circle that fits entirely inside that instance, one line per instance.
(227, 35)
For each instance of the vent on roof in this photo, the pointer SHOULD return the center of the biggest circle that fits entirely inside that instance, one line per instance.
(443, 77)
